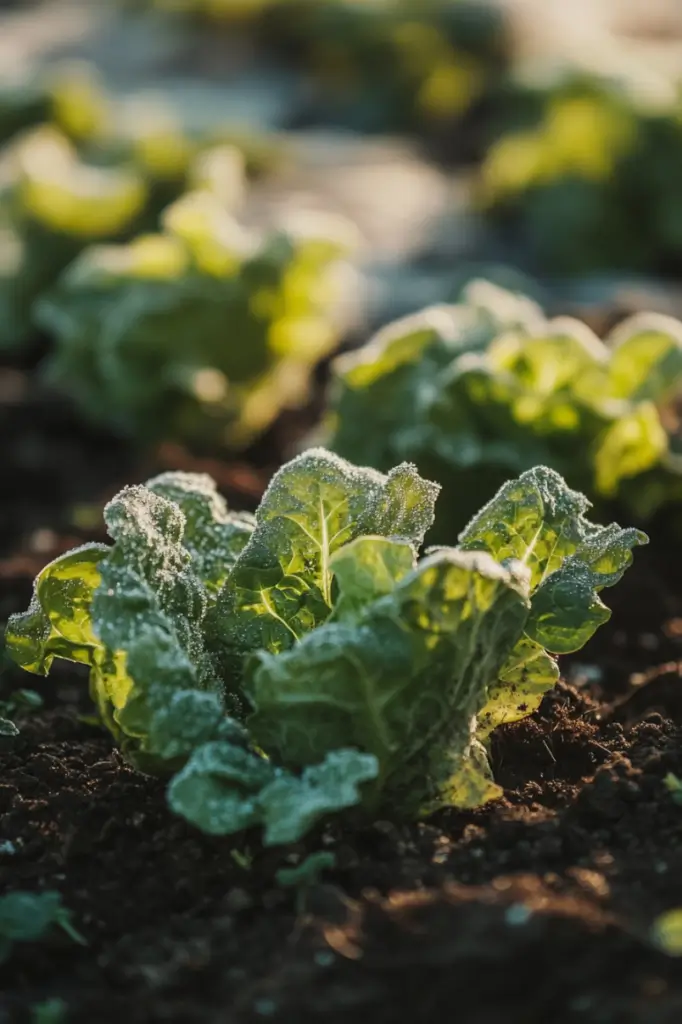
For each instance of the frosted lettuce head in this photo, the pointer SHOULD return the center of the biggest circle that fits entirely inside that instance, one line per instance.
(287, 665)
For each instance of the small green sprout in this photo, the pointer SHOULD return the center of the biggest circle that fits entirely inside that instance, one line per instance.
(242, 858)
(50, 1011)
(17, 705)
(308, 872)
(29, 916)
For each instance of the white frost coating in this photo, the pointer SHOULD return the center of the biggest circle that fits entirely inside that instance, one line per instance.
(213, 535)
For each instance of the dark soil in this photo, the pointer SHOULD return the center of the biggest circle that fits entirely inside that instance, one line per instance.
(536, 909)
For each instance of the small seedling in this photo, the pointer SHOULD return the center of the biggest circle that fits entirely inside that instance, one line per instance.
(308, 872)
(28, 917)
(50, 1011)
(19, 704)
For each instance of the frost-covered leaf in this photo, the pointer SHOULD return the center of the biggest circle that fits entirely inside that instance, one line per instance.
(566, 609)
(225, 788)
(281, 584)
(212, 535)
(149, 611)
(183, 721)
(540, 522)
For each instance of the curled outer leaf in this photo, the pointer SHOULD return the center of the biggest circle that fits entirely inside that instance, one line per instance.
(57, 623)
(292, 804)
(218, 788)
(281, 584)
(148, 613)
(539, 521)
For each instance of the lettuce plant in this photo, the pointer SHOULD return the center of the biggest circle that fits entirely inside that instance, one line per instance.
(55, 205)
(300, 661)
(377, 66)
(100, 173)
(202, 332)
(395, 65)
(22, 103)
(476, 393)
(586, 179)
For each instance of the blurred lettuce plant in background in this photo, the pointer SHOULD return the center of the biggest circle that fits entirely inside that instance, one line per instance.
(478, 392)
(583, 177)
(204, 331)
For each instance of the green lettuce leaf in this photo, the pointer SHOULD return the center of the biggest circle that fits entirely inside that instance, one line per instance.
(538, 521)
(58, 621)
(646, 358)
(134, 614)
(148, 613)
(281, 585)
(525, 678)
(408, 673)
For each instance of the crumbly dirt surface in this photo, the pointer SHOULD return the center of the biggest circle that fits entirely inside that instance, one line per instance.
(534, 909)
